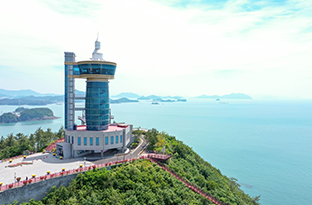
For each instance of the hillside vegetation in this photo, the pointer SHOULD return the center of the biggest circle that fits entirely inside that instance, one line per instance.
(8, 118)
(15, 145)
(143, 182)
(192, 167)
(135, 183)
(35, 113)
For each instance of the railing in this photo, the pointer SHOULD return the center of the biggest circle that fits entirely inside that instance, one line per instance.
(62, 173)
(52, 145)
(16, 157)
(158, 156)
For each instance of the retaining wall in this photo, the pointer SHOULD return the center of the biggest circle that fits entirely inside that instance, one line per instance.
(35, 191)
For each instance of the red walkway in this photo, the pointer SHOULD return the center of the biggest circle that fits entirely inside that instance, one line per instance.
(52, 145)
(188, 184)
(160, 157)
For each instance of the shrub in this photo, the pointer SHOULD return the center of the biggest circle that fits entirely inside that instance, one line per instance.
(25, 182)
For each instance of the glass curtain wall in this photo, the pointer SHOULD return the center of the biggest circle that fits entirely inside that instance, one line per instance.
(97, 105)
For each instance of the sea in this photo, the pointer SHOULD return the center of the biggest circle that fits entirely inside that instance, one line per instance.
(265, 144)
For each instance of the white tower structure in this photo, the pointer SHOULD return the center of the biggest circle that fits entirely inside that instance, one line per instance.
(97, 55)
(96, 134)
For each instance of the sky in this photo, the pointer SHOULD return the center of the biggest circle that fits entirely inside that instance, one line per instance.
(162, 47)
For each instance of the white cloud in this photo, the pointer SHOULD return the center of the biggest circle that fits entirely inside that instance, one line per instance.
(161, 49)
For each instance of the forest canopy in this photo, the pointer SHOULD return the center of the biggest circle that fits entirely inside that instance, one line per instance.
(14, 145)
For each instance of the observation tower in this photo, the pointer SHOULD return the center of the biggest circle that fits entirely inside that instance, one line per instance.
(97, 133)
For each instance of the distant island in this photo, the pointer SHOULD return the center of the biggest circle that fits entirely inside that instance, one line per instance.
(162, 100)
(25, 114)
(32, 100)
(126, 95)
(228, 96)
(122, 100)
(150, 97)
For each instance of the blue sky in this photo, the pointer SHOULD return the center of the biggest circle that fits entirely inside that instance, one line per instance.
(162, 47)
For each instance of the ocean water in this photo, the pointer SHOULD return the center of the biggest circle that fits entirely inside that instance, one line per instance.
(265, 145)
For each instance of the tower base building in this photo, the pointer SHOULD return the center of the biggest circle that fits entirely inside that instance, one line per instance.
(96, 134)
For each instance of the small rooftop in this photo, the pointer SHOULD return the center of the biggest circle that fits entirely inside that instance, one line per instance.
(111, 128)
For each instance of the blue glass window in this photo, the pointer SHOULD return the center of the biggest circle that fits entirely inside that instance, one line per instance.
(106, 140)
(85, 140)
(112, 139)
(120, 138)
(72, 139)
(97, 105)
(116, 139)
(91, 140)
(97, 141)
(79, 140)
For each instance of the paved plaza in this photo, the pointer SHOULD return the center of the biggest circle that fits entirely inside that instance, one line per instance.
(47, 162)
(39, 167)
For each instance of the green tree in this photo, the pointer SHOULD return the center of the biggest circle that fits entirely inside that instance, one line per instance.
(39, 138)
(10, 140)
(61, 132)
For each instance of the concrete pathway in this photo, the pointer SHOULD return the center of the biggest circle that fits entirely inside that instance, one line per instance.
(39, 167)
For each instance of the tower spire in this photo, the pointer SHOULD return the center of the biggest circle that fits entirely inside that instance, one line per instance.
(97, 55)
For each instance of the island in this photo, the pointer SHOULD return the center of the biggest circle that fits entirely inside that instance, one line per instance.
(32, 100)
(238, 96)
(25, 114)
(122, 100)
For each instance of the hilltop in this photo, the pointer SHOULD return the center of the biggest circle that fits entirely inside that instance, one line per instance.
(143, 182)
